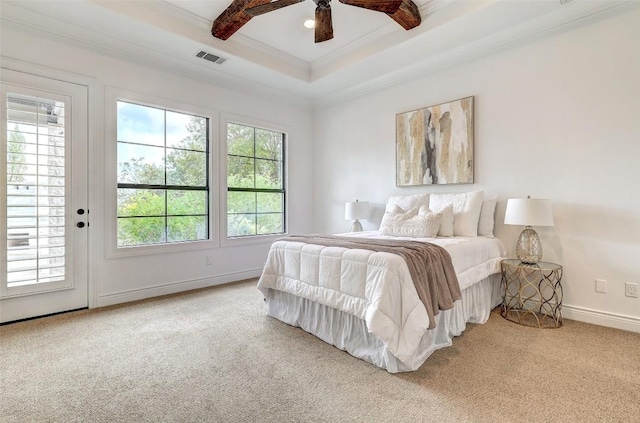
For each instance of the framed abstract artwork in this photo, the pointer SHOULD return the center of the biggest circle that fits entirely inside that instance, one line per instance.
(434, 145)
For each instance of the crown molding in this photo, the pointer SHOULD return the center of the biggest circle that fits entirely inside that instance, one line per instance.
(191, 27)
(238, 39)
(432, 6)
(133, 53)
(183, 14)
(585, 12)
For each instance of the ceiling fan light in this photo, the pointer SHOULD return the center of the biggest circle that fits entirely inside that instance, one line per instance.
(310, 23)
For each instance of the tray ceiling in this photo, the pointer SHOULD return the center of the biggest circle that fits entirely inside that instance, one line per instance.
(275, 53)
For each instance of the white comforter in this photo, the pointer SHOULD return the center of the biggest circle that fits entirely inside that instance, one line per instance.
(373, 286)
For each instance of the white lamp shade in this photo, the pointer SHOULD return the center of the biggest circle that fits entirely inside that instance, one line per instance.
(528, 212)
(356, 210)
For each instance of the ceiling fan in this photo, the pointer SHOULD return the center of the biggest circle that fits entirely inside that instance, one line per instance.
(239, 12)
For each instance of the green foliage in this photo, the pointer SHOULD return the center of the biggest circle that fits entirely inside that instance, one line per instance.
(243, 208)
(252, 151)
(136, 171)
(140, 231)
(16, 160)
(158, 216)
(141, 202)
(254, 161)
(142, 216)
(187, 164)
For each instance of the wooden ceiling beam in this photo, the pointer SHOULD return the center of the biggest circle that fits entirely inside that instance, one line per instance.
(407, 15)
(233, 18)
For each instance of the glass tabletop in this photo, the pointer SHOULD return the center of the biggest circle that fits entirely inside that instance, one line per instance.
(542, 265)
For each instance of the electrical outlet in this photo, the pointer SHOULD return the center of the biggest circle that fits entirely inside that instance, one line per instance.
(631, 289)
(209, 261)
(601, 286)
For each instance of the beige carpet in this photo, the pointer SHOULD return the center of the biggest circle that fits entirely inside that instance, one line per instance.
(214, 356)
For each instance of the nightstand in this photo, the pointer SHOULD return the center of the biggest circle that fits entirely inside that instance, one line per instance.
(532, 293)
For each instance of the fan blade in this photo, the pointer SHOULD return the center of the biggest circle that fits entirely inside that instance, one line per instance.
(233, 18)
(385, 6)
(324, 27)
(269, 7)
(407, 15)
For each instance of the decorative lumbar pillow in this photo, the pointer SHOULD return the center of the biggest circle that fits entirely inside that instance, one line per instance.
(394, 214)
(415, 223)
(466, 210)
(487, 221)
(407, 202)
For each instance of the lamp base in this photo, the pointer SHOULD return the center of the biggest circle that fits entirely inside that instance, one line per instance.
(529, 247)
(357, 226)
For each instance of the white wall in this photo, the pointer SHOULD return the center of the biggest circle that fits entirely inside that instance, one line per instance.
(116, 280)
(556, 118)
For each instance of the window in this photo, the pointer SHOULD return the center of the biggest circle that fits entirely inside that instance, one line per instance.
(163, 176)
(255, 181)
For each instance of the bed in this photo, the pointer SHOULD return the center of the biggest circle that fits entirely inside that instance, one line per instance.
(365, 302)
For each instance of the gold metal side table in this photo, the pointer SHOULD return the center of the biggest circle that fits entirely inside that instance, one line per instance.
(532, 293)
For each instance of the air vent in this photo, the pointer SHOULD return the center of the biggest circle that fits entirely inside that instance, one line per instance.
(210, 57)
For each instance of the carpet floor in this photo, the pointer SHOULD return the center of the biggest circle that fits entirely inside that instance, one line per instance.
(213, 355)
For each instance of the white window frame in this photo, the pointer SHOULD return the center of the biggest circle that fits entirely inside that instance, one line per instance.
(112, 96)
(225, 119)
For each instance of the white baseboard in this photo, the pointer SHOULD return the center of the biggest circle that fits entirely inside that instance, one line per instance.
(175, 287)
(601, 318)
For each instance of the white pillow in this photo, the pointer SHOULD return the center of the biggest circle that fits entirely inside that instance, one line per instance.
(466, 210)
(486, 221)
(396, 209)
(407, 202)
(446, 222)
(414, 223)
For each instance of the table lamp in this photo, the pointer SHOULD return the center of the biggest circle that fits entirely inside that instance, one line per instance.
(528, 212)
(356, 210)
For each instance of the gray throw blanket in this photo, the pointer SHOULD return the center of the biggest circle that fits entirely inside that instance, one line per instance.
(430, 266)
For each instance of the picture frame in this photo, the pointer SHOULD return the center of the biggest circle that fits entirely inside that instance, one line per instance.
(434, 145)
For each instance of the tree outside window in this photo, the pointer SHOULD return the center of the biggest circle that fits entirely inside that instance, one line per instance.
(163, 176)
(255, 181)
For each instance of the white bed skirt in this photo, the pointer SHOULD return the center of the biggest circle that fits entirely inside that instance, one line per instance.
(350, 333)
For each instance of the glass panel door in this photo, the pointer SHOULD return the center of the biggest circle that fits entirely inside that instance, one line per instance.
(43, 187)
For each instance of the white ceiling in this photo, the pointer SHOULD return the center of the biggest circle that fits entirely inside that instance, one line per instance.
(273, 53)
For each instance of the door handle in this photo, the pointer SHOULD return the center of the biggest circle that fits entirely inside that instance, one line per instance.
(80, 224)
(80, 211)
